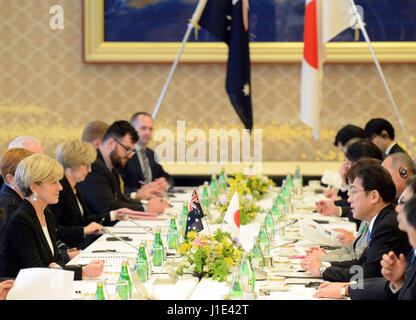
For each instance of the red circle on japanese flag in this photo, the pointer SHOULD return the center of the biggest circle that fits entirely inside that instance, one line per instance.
(237, 218)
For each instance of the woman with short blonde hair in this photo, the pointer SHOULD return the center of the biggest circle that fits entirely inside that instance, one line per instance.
(74, 153)
(76, 158)
(31, 231)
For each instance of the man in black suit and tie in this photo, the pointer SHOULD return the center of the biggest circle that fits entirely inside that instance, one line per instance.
(398, 281)
(102, 188)
(143, 175)
(371, 195)
(381, 133)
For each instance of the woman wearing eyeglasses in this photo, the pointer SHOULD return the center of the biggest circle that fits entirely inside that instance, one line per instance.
(71, 210)
(31, 230)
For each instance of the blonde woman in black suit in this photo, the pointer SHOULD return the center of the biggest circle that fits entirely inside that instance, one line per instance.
(31, 230)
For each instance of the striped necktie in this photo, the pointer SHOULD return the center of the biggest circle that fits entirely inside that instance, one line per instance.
(145, 165)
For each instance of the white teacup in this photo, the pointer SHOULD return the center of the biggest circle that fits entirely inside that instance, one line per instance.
(288, 249)
(277, 283)
(314, 183)
(282, 265)
(292, 234)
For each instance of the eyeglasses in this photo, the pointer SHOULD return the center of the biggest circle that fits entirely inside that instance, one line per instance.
(128, 150)
(353, 191)
(401, 201)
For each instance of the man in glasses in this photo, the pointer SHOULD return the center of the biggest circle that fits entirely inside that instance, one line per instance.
(371, 196)
(395, 269)
(143, 171)
(103, 187)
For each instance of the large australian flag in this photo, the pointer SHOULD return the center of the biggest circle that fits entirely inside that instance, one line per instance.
(195, 215)
(228, 21)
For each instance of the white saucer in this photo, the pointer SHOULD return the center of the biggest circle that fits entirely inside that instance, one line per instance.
(284, 254)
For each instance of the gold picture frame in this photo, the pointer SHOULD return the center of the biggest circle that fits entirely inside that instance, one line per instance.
(96, 50)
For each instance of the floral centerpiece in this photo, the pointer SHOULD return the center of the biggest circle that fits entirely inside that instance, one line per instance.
(210, 256)
(250, 189)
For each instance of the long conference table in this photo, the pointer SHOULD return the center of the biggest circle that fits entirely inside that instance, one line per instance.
(311, 229)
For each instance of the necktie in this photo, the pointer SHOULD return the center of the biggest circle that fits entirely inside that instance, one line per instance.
(120, 181)
(145, 166)
(368, 237)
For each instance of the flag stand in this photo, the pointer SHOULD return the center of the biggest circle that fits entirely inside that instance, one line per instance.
(383, 79)
(192, 23)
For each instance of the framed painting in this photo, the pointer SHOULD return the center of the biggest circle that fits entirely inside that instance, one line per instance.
(150, 31)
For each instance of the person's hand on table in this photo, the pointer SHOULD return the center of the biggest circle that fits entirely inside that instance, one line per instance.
(93, 228)
(94, 269)
(327, 208)
(315, 251)
(73, 252)
(311, 264)
(393, 268)
(5, 287)
(162, 183)
(330, 290)
(157, 205)
(149, 191)
(345, 237)
(332, 194)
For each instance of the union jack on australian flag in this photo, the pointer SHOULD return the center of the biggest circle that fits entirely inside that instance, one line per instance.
(228, 21)
(195, 215)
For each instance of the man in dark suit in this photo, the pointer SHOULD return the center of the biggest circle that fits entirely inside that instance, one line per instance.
(371, 196)
(398, 281)
(381, 133)
(102, 188)
(142, 173)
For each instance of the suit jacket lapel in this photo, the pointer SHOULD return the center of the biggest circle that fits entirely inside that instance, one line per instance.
(72, 199)
(38, 227)
(138, 167)
(409, 279)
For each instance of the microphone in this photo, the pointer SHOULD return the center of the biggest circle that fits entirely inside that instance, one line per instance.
(105, 230)
(147, 229)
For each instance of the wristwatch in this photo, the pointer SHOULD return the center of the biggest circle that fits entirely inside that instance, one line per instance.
(344, 291)
(321, 270)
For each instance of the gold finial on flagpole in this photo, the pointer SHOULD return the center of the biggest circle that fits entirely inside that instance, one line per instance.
(196, 27)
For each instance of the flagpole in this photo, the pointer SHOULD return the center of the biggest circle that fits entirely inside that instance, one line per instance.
(194, 22)
(383, 79)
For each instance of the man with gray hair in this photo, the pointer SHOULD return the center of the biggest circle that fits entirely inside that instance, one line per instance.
(28, 143)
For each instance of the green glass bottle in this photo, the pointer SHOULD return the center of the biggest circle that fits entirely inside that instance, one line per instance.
(158, 252)
(257, 258)
(142, 264)
(298, 181)
(247, 276)
(275, 211)
(184, 217)
(269, 224)
(289, 183)
(214, 189)
(99, 293)
(236, 291)
(205, 196)
(173, 239)
(286, 194)
(264, 240)
(222, 182)
(124, 275)
(280, 203)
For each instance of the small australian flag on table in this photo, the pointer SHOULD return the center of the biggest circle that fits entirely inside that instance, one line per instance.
(195, 215)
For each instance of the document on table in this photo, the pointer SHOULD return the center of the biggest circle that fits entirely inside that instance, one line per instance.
(42, 284)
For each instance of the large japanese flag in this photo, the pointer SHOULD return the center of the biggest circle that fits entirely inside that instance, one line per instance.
(232, 216)
(324, 19)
